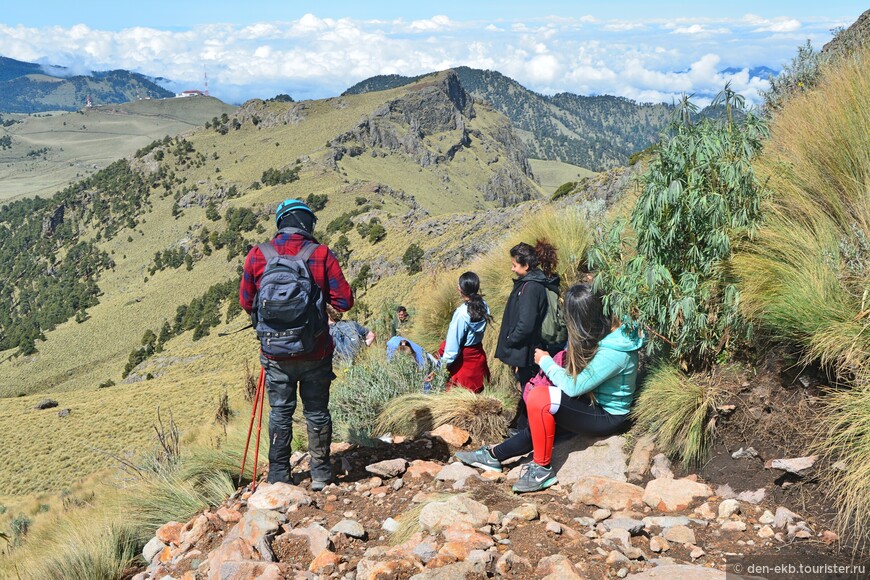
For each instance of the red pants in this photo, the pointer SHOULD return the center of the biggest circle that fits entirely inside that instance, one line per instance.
(542, 424)
(470, 368)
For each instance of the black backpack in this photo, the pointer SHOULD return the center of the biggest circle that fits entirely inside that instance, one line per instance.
(290, 310)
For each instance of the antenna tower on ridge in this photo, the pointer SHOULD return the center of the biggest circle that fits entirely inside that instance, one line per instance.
(205, 76)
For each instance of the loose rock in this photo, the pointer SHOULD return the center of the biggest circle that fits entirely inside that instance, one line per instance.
(799, 466)
(670, 495)
(661, 467)
(388, 468)
(451, 435)
(729, 507)
(638, 464)
(680, 535)
(606, 493)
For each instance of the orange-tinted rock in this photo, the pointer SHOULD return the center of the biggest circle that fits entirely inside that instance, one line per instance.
(419, 467)
(325, 563)
(606, 493)
(453, 436)
(170, 533)
(229, 515)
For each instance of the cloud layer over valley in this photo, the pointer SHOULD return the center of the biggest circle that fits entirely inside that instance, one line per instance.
(313, 57)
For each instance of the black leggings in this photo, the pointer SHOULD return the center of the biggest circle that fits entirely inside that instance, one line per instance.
(575, 415)
(523, 376)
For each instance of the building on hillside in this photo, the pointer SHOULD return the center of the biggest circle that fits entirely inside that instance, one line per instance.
(193, 93)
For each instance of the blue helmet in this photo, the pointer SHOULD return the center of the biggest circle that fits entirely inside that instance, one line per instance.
(288, 205)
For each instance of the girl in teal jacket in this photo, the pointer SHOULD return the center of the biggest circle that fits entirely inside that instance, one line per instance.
(591, 392)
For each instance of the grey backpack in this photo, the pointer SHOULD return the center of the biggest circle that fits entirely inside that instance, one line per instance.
(290, 311)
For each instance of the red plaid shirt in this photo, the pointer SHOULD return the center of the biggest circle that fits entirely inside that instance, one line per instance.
(325, 271)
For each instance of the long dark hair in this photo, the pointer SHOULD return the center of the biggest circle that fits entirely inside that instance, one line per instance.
(543, 254)
(587, 325)
(469, 285)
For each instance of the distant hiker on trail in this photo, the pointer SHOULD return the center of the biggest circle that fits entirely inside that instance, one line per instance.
(349, 336)
(590, 390)
(524, 314)
(400, 321)
(462, 351)
(286, 286)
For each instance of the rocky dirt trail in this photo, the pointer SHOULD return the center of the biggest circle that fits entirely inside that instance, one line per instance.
(404, 510)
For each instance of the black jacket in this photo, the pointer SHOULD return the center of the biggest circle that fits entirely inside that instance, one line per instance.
(520, 331)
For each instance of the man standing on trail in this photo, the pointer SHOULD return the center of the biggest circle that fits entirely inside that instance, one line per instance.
(285, 287)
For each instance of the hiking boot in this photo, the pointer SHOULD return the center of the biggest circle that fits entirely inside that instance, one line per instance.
(481, 458)
(319, 484)
(535, 477)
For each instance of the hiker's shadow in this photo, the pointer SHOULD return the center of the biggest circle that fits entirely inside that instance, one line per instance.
(349, 464)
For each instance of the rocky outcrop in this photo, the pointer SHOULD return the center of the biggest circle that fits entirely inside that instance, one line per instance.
(404, 123)
(271, 114)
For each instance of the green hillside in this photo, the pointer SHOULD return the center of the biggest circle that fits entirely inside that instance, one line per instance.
(29, 88)
(593, 132)
(48, 152)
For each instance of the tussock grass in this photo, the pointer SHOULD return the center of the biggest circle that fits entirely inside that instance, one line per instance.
(483, 415)
(805, 276)
(844, 439)
(87, 554)
(678, 411)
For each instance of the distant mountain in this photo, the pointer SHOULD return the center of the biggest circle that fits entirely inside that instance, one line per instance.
(30, 88)
(761, 72)
(593, 132)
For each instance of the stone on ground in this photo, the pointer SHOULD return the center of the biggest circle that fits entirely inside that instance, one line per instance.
(278, 496)
(584, 456)
(388, 468)
(439, 515)
(453, 436)
(638, 464)
(669, 495)
(606, 493)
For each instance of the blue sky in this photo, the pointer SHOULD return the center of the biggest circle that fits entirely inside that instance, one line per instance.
(647, 51)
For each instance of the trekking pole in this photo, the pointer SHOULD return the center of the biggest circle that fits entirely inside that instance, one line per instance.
(259, 426)
(260, 381)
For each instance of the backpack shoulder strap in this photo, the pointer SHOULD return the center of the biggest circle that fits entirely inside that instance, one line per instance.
(268, 250)
(307, 251)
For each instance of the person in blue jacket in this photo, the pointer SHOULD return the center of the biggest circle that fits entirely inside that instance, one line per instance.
(592, 393)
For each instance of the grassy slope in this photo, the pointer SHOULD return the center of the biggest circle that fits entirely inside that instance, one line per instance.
(109, 132)
(552, 174)
(78, 357)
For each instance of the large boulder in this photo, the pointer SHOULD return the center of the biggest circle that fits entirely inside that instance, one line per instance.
(583, 456)
(607, 493)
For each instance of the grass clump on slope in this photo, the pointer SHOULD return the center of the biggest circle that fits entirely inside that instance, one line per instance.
(806, 279)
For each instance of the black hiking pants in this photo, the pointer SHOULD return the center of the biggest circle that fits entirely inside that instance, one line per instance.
(312, 378)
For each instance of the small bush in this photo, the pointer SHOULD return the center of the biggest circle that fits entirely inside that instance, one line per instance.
(413, 258)
(360, 394)
(665, 270)
(678, 411)
(19, 526)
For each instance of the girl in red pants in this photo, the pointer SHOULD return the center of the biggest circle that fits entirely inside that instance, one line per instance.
(592, 393)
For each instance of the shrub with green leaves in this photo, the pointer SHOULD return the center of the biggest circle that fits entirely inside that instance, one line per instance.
(699, 194)
(413, 258)
(364, 389)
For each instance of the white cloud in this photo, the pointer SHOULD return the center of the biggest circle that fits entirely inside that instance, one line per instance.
(433, 24)
(699, 29)
(314, 57)
(780, 24)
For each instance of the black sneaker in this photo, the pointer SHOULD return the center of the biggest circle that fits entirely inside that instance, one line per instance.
(481, 458)
(535, 477)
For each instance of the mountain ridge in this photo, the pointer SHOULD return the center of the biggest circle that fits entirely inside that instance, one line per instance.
(32, 88)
